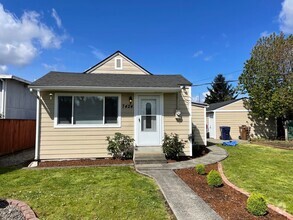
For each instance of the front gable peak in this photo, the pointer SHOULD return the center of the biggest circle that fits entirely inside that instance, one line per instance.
(118, 63)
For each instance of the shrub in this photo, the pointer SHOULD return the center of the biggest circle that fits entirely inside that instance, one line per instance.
(120, 146)
(200, 169)
(172, 146)
(256, 204)
(214, 179)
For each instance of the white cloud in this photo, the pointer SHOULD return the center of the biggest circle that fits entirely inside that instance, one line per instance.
(22, 39)
(55, 15)
(286, 17)
(200, 98)
(97, 53)
(3, 68)
(198, 53)
(50, 67)
(265, 34)
(208, 58)
(223, 35)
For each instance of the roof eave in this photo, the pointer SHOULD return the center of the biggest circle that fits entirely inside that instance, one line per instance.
(105, 89)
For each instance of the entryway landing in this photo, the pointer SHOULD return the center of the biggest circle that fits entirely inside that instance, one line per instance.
(149, 155)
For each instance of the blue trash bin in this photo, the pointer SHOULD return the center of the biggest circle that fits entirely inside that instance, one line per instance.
(225, 132)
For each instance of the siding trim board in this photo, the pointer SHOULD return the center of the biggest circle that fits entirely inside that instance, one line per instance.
(230, 111)
(205, 126)
(190, 121)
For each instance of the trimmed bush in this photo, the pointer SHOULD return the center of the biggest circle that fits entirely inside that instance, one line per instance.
(172, 146)
(214, 179)
(200, 169)
(256, 204)
(120, 146)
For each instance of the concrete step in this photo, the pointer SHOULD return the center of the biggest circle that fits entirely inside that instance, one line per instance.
(149, 155)
(150, 161)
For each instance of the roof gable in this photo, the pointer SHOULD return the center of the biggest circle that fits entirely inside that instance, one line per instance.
(108, 66)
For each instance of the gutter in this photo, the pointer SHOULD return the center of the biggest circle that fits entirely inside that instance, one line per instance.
(105, 89)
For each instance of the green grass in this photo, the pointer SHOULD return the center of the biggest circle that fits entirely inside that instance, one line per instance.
(266, 170)
(85, 193)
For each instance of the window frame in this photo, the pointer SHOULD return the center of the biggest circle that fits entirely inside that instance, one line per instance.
(103, 95)
(121, 62)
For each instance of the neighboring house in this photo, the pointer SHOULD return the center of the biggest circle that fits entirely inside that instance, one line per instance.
(199, 125)
(233, 113)
(16, 101)
(77, 111)
(230, 113)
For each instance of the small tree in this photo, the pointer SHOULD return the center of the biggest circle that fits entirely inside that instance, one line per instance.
(220, 91)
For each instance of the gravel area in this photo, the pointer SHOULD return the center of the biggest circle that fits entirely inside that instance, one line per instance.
(8, 212)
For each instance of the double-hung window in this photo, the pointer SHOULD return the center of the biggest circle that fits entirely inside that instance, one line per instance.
(87, 111)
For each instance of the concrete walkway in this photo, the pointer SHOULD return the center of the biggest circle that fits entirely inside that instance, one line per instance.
(184, 203)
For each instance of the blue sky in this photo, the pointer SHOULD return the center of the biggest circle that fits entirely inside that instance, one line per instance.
(197, 39)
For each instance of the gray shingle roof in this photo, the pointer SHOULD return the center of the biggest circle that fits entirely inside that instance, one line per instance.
(62, 79)
(217, 105)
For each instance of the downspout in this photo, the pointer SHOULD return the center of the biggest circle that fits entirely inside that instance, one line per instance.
(3, 106)
(37, 144)
(37, 140)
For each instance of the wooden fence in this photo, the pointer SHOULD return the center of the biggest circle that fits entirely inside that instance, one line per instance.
(16, 135)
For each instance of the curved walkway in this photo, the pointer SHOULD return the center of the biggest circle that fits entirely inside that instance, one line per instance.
(184, 203)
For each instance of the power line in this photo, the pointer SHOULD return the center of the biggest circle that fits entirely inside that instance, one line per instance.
(224, 74)
(203, 84)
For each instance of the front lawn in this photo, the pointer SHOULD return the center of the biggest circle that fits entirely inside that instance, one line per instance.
(262, 169)
(85, 193)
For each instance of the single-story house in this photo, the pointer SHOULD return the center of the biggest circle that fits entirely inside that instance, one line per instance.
(230, 113)
(234, 114)
(16, 101)
(77, 111)
(199, 125)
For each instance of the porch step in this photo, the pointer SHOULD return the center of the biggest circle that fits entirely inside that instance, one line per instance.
(149, 155)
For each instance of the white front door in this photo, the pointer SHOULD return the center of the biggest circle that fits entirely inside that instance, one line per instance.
(211, 125)
(148, 121)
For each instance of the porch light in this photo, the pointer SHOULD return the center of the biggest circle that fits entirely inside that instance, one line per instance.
(51, 96)
(130, 99)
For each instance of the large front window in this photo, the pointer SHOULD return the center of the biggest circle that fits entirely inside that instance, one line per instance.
(87, 110)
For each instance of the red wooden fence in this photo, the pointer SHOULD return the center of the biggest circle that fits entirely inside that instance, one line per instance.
(16, 135)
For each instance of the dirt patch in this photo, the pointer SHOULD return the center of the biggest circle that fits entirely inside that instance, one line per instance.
(226, 201)
(287, 145)
(84, 162)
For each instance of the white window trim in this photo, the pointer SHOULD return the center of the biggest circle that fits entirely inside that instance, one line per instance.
(56, 125)
(121, 62)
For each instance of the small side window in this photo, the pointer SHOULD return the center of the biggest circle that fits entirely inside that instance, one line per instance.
(118, 64)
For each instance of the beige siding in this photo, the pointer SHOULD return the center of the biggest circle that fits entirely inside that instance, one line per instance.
(60, 143)
(109, 67)
(198, 124)
(180, 127)
(239, 105)
(233, 120)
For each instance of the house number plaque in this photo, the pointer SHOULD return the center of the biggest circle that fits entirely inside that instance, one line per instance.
(127, 106)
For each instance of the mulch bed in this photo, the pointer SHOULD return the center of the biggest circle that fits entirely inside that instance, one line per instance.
(197, 154)
(84, 162)
(226, 201)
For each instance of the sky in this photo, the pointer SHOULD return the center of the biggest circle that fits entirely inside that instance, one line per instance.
(198, 39)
